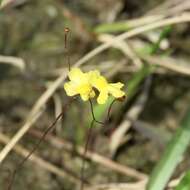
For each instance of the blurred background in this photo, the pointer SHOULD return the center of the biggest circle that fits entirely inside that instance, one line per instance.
(153, 65)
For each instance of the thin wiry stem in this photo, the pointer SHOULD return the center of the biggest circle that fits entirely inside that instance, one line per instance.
(109, 109)
(93, 115)
(108, 113)
(85, 151)
(89, 136)
(49, 129)
(67, 30)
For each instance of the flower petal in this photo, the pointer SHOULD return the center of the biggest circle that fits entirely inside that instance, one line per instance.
(115, 91)
(70, 89)
(75, 74)
(100, 83)
(103, 96)
(84, 88)
(117, 85)
(84, 97)
(93, 74)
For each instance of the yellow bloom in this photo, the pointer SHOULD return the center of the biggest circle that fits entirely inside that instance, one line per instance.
(83, 84)
(105, 88)
(79, 84)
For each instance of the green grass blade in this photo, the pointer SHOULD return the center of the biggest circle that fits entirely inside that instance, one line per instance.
(172, 156)
(113, 27)
(184, 183)
(123, 26)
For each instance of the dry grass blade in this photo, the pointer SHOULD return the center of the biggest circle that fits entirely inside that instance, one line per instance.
(58, 110)
(124, 47)
(169, 63)
(15, 61)
(133, 23)
(120, 186)
(171, 7)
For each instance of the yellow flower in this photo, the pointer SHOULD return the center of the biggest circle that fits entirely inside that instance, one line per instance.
(79, 84)
(84, 84)
(105, 88)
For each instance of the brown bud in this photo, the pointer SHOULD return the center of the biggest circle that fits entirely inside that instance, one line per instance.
(66, 30)
(121, 99)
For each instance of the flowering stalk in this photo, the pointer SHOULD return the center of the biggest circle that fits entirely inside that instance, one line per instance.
(84, 84)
